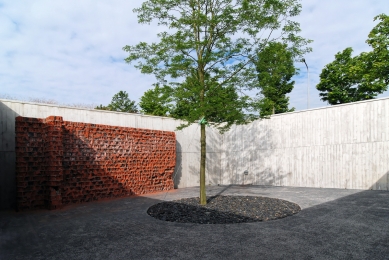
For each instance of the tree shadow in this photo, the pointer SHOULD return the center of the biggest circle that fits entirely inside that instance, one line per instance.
(247, 153)
(244, 158)
(191, 167)
(270, 177)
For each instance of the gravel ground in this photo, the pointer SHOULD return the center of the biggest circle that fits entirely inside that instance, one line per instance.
(223, 210)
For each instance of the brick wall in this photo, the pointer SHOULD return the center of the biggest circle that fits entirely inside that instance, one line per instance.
(60, 162)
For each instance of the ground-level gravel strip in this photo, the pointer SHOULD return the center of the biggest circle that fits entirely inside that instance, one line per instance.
(223, 210)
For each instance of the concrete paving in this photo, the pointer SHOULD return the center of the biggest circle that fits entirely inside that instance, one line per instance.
(333, 224)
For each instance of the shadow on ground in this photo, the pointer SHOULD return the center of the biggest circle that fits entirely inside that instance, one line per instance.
(334, 224)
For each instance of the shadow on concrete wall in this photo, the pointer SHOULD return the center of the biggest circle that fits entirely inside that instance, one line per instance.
(270, 177)
(7, 157)
(249, 148)
(212, 176)
(382, 183)
(213, 167)
(177, 175)
(213, 160)
(260, 163)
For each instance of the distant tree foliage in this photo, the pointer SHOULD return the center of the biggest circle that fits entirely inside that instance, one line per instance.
(275, 70)
(120, 103)
(350, 79)
(379, 41)
(157, 101)
(101, 107)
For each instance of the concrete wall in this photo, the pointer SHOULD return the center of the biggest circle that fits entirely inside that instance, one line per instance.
(188, 141)
(344, 146)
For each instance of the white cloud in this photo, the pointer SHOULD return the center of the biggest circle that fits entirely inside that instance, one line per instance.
(71, 51)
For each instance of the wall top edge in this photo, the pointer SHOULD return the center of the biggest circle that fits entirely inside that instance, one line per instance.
(333, 106)
(170, 118)
(86, 109)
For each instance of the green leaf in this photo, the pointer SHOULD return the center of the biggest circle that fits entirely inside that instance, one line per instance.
(120, 103)
(350, 79)
(157, 101)
(275, 70)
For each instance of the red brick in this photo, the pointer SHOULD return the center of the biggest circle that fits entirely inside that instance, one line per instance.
(89, 161)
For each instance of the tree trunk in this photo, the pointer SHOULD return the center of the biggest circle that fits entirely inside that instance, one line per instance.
(203, 156)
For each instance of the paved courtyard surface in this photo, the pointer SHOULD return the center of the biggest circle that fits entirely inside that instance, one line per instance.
(333, 224)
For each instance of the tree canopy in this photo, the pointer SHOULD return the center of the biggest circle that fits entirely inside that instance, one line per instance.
(157, 101)
(350, 79)
(207, 56)
(275, 70)
(120, 103)
(378, 39)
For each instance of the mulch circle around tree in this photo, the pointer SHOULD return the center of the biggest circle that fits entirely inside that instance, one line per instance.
(223, 210)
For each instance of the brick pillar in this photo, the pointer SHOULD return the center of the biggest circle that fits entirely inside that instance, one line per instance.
(53, 148)
(30, 163)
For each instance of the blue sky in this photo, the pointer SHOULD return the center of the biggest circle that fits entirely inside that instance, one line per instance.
(71, 51)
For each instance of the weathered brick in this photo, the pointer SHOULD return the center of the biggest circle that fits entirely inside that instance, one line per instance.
(74, 162)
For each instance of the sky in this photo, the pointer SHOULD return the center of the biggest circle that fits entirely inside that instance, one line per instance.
(71, 50)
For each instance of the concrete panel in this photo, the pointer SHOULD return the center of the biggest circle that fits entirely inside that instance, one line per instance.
(213, 171)
(214, 140)
(189, 138)
(7, 128)
(169, 125)
(228, 167)
(7, 180)
(192, 171)
(342, 146)
(146, 122)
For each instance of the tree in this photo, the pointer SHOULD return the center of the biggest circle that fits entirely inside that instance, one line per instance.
(120, 103)
(351, 79)
(101, 107)
(222, 105)
(208, 56)
(275, 69)
(157, 101)
(378, 39)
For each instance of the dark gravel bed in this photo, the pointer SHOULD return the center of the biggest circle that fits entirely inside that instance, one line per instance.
(223, 210)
